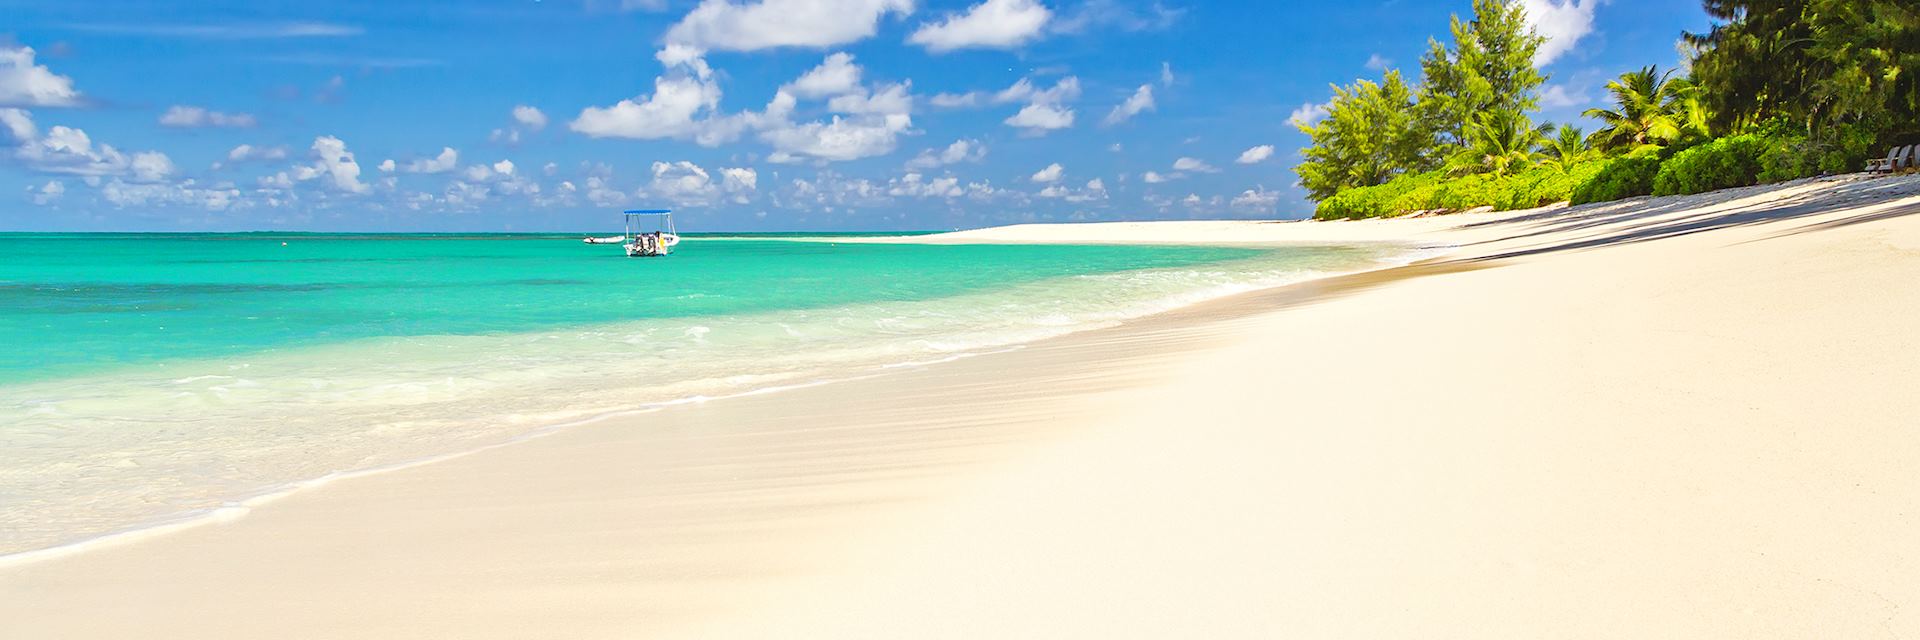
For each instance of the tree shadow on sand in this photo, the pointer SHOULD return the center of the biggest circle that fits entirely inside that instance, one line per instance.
(1613, 223)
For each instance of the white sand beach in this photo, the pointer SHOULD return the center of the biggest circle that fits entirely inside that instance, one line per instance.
(1684, 417)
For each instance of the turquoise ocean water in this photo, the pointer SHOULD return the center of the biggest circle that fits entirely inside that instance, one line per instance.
(148, 379)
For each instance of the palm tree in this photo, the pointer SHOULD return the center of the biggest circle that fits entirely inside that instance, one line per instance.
(1646, 106)
(1689, 110)
(1566, 148)
(1498, 141)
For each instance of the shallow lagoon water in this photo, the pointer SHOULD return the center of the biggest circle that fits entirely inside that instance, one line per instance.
(151, 378)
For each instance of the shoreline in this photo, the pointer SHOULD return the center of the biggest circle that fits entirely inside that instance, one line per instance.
(239, 508)
(1152, 462)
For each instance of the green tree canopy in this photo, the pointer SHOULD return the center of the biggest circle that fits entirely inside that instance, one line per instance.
(1650, 108)
(1498, 142)
(1489, 67)
(1820, 63)
(1566, 148)
(1369, 135)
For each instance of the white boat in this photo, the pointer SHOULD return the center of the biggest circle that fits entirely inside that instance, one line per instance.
(606, 240)
(648, 244)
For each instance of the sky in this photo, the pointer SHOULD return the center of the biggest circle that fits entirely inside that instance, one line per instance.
(761, 115)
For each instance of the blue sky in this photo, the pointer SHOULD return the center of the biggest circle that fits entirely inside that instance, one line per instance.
(531, 115)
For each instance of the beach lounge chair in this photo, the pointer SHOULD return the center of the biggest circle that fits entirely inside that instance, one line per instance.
(1878, 165)
(1902, 157)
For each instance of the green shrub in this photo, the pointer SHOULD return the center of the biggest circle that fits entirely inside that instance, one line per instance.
(1418, 198)
(1466, 192)
(1770, 154)
(1529, 189)
(1726, 162)
(1844, 149)
(1623, 177)
(1538, 186)
(1788, 157)
(1542, 186)
(1847, 147)
(1349, 203)
(1516, 191)
(1371, 200)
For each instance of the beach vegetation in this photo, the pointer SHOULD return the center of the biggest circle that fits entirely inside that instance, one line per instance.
(1488, 68)
(1566, 149)
(1435, 192)
(1648, 111)
(1774, 91)
(1733, 161)
(1822, 64)
(1623, 177)
(1369, 135)
(1498, 142)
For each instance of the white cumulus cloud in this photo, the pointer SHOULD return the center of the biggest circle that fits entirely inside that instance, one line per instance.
(531, 118)
(1024, 90)
(739, 182)
(891, 99)
(1255, 154)
(748, 26)
(67, 150)
(917, 186)
(18, 125)
(682, 182)
(964, 150)
(1095, 190)
(993, 24)
(687, 90)
(1045, 110)
(1192, 164)
(1052, 173)
(151, 166)
(836, 75)
(839, 138)
(25, 84)
(48, 193)
(1562, 22)
(1256, 199)
(1141, 100)
(336, 163)
(446, 161)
